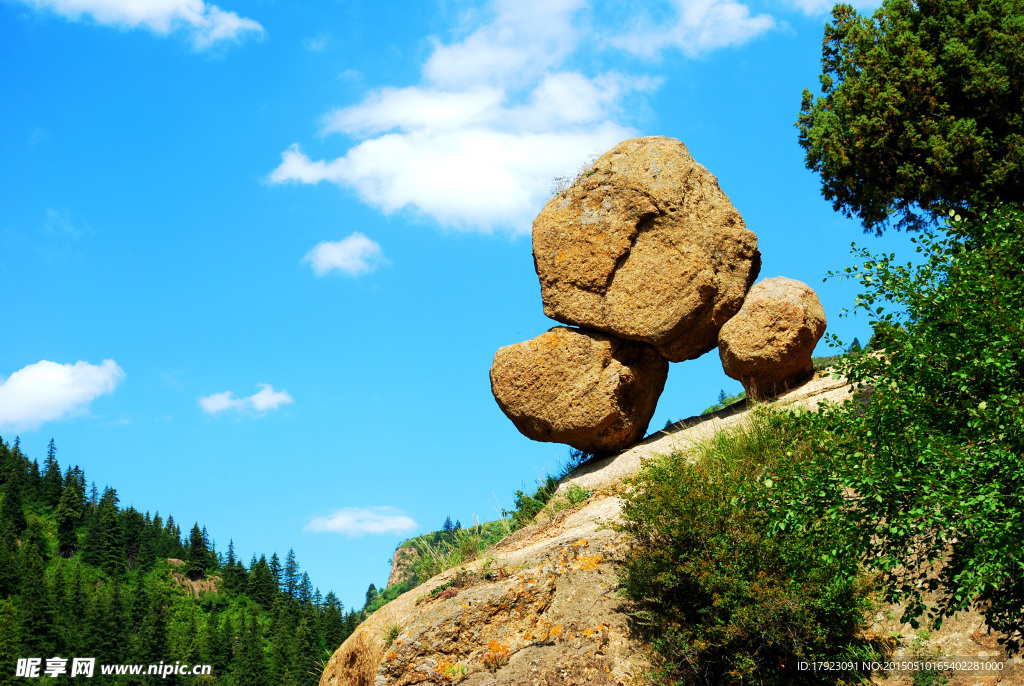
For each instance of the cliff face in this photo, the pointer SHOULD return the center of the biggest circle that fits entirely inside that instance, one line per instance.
(546, 599)
(542, 609)
(401, 565)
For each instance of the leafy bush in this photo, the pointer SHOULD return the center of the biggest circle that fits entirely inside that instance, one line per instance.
(926, 481)
(724, 601)
(529, 506)
(576, 494)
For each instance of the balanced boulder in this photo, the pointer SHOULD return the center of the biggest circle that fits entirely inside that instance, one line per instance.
(591, 390)
(767, 346)
(646, 246)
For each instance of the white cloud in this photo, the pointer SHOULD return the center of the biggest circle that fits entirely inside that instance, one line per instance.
(354, 255)
(207, 24)
(814, 7)
(499, 113)
(318, 43)
(46, 391)
(356, 521)
(265, 399)
(700, 26)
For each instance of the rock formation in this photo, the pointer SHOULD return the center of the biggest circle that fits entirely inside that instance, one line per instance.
(591, 390)
(767, 346)
(646, 246)
(545, 598)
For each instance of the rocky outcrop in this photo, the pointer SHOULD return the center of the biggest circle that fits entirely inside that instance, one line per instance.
(545, 597)
(768, 345)
(646, 246)
(542, 611)
(590, 390)
(401, 564)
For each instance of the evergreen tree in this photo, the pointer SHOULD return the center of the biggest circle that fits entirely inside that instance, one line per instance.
(68, 517)
(334, 625)
(233, 572)
(216, 645)
(261, 587)
(53, 482)
(132, 525)
(281, 641)
(275, 569)
(8, 562)
(920, 108)
(151, 639)
(75, 603)
(198, 556)
(251, 668)
(10, 646)
(12, 512)
(103, 546)
(229, 640)
(37, 616)
(371, 592)
(33, 489)
(291, 574)
(305, 594)
(306, 649)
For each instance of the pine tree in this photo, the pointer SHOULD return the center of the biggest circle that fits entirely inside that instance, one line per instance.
(305, 594)
(306, 649)
(334, 627)
(53, 482)
(228, 639)
(281, 644)
(198, 556)
(275, 569)
(151, 639)
(291, 574)
(251, 667)
(10, 646)
(33, 489)
(37, 616)
(103, 546)
(261, 587)
(8, 562)
(132, 525)
(75, 604)
(216, 649)
(371, 593)
(68, 517)
(12, 512)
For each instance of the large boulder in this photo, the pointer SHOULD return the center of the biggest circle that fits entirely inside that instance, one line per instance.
(591, 390)
(768, 345)
(645, 245)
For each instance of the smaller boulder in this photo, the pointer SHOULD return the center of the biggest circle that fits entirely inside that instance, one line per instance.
(593, 391)
(767, 346)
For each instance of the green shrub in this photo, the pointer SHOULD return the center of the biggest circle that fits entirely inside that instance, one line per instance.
(926, 480)
(391, 632)
(724, 601)
(529, 506)
(576, 494)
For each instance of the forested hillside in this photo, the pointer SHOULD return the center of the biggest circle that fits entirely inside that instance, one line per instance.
(81, 576)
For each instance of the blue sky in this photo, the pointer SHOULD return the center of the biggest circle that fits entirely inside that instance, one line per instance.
(257, 258)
